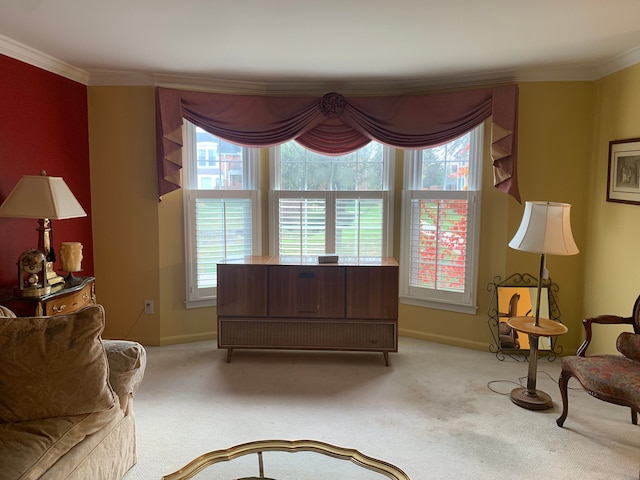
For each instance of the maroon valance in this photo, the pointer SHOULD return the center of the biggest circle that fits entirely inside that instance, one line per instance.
(335, 125)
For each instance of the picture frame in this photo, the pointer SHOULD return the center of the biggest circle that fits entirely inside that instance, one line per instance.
(623, 176)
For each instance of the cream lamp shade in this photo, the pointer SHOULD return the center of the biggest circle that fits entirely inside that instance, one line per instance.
(40, 196)
(545, 229)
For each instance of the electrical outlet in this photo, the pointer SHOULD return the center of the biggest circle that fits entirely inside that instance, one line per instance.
(148, 307)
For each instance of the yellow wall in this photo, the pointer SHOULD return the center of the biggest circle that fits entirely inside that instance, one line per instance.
(612, 279)
(139, 246)
(125, 208)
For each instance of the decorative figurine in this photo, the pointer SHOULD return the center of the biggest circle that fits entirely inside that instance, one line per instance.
(32, 275)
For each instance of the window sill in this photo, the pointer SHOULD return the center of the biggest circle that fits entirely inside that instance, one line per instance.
(439, 305)
(201, 303)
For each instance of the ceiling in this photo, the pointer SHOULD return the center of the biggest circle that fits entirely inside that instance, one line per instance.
(339, 41)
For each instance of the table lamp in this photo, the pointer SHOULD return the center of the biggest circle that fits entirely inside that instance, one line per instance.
(44, 198)
(545, 229)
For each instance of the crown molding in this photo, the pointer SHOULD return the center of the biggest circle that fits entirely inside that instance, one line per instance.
(46, 62)
(278, 87)
(29, 55)
(559, 73)
(218, 85)
(619, 62)
(120, 78)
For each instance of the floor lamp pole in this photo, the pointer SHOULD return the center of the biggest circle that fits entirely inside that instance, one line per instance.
(539, 296)
(530, 397)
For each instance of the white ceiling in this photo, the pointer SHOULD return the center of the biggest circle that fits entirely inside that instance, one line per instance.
(383, 41)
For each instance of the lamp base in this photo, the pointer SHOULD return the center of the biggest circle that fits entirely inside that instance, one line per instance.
(531, 399)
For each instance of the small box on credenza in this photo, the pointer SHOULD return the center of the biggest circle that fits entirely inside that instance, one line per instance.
(328, 258)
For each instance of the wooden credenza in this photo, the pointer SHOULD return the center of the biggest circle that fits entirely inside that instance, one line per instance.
(296, 303)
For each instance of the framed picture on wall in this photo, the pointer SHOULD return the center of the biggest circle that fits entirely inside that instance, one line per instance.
(623, 179)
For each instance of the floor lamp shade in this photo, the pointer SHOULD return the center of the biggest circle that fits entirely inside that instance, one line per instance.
(545, 229)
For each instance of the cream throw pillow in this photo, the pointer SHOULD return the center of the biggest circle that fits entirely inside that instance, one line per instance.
(53, 366)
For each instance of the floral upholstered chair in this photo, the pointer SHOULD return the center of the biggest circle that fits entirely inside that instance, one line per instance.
(609, 377)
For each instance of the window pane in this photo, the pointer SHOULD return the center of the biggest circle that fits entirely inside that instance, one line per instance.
(302, 226)
(223, 232)
(439, 244)
(359, 230)
(219, 163)
(304, 170)
(446, 167)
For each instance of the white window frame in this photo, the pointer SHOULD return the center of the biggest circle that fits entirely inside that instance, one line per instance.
(206, 297)
(465, 302)
(330, 197)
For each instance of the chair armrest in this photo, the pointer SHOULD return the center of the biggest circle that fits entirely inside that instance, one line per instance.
(127, 362)
(601, 319)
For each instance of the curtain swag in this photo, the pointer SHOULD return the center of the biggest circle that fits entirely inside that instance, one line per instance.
(335, 125)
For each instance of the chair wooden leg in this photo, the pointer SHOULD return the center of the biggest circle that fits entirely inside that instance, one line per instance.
(563, 382)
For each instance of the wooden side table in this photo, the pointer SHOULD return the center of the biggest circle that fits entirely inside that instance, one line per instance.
(529, 397)
(67, 300)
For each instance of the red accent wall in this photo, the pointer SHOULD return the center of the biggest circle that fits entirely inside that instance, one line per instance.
(43, 125)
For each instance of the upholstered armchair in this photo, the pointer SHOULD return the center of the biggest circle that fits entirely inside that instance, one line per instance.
(609, 377)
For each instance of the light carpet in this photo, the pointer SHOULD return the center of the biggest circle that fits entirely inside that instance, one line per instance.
(437, 412)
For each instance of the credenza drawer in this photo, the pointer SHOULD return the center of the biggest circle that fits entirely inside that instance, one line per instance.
(310, 334)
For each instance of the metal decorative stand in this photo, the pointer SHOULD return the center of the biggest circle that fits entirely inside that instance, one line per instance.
(526, 281)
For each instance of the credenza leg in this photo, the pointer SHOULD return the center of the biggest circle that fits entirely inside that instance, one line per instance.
(386, 358)
(229, 353)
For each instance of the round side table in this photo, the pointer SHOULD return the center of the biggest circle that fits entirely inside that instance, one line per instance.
(529, 397)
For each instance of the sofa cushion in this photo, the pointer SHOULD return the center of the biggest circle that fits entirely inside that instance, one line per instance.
(29, 449)
(53, 366)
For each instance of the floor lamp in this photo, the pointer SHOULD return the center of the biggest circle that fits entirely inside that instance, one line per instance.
(546, 230)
